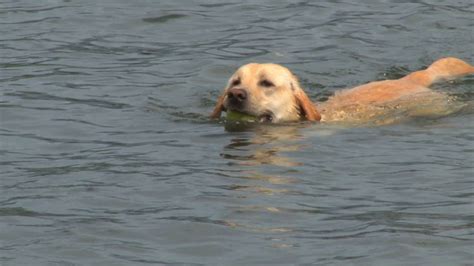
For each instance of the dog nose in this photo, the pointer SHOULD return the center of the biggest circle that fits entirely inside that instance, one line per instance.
(237, 94)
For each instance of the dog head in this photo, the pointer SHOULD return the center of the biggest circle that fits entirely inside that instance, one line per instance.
(269, 92)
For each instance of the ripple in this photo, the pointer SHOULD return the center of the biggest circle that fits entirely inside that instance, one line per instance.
(32, 21)
(164, 18)
(31, 9)
(31, 95)
(18, 211)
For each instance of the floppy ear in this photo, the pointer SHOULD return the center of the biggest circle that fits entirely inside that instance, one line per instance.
(306, 106)
(216, 113)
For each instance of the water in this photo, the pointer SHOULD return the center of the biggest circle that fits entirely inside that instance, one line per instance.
(108, 158)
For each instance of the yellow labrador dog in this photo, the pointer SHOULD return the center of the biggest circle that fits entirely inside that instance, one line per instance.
(271, 93)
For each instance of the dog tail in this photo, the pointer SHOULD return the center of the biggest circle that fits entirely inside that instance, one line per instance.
(447, 68)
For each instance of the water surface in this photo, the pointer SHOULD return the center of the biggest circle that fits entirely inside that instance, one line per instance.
(108, 158)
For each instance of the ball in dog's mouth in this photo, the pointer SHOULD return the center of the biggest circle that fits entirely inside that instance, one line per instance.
(239, 116)
(244, 117)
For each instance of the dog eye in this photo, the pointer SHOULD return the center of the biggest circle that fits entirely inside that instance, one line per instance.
(235, 82)
(266, 83)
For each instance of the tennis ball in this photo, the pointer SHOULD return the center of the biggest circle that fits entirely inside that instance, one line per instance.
(238, 116)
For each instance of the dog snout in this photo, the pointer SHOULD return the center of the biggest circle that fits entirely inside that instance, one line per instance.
(237, 95)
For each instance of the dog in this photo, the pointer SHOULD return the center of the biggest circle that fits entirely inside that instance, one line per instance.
(272, 93)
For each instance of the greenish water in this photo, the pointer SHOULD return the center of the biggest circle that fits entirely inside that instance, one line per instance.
(108, 158)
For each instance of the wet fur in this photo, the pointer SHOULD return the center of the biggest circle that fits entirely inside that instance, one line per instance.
(273, 89)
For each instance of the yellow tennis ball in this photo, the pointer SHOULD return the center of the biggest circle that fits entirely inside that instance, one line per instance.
(238, 116)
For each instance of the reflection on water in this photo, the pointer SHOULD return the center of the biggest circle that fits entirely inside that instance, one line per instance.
(266, 146)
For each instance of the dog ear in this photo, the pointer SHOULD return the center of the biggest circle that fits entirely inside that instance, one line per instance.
(307, 108)
(216, 113)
